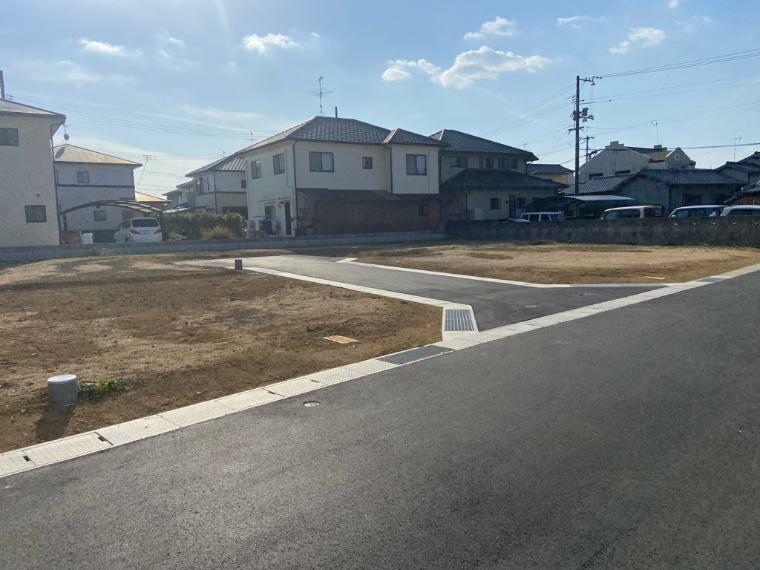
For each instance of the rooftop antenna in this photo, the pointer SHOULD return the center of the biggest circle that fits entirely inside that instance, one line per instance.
(656, 125)
(737, 140)
(321, 92)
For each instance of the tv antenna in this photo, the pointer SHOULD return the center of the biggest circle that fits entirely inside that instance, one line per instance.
(321, 93)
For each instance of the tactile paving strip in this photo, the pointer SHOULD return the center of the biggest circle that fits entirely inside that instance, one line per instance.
(415, 354)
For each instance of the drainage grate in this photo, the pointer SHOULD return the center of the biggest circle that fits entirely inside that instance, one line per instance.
(458, 320)
(415, 354)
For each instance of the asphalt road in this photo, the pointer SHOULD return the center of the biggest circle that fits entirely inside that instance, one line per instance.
(494, 304)
(627, 439)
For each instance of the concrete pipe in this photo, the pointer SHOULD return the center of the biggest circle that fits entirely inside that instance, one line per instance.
(62, 390)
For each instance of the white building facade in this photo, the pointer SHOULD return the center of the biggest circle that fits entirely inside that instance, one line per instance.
(27, 188)
(220, 187)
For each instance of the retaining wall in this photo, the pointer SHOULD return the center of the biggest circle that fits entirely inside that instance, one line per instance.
(10, 254)
(729, 231)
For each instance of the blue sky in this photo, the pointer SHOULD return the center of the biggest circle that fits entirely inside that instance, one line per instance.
(185, 81)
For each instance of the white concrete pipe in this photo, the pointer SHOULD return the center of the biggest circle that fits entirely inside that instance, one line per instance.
(62, 390)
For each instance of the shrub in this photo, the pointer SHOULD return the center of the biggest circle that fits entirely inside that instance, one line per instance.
(218, 232)
(96, 390)
(193, 225)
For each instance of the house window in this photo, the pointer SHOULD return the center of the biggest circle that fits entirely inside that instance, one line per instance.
(278, 163)
(8, 137)
(255, 169)
(495, 204)
(513, 163)
(35, 214)
(321, 162)
(501, 163)
(416, 164)
(423, 211)
(367, 162)
(99, 215)
(459, 162)
(83, 177)
(199, 185)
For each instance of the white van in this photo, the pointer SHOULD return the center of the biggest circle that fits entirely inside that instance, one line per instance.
(741, 211)
(707, 211)
(632, 212)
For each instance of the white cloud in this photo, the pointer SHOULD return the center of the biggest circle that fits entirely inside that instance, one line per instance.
(468, 67)
(262, 44)
(577, 22)
(693, 23)
(314, 35)
(640, 37)
(673, 4)
(241, 119)
(497, 27)
(104, 48)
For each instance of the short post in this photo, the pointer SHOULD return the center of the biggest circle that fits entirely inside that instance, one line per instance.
(63, 389)
(238, 264)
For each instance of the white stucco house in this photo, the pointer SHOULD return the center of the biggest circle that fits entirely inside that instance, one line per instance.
(335, 175)
(27, 188)
(220, 187)
(617, 159)
(83, 176)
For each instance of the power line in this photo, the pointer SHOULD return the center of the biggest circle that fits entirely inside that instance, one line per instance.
(724, 58)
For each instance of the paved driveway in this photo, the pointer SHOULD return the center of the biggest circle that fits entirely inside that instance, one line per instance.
(494, 304)
(626, 439)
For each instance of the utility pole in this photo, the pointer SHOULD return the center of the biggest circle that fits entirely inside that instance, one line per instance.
(578, 116)
(588, 154)
(2, 85)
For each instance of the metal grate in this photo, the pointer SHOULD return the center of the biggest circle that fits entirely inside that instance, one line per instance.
(415, 354)
(458, 320)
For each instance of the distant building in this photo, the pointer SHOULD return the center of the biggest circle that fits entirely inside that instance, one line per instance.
(183, 197)
(151, 200)
(83, 176)
(220, 187)
(617, 159)
(749, 195)
(553, 172)
(27, 186)
(485, 180)
(747, 170)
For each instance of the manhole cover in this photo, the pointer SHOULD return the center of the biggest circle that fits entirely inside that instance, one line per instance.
(311, 404)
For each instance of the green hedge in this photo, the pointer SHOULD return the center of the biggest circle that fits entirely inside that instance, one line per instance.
(200, 224)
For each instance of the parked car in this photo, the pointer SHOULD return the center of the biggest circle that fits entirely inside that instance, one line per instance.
(139, 230)
(707, 211)
(542, 217)
(632, 212)
(741, 211)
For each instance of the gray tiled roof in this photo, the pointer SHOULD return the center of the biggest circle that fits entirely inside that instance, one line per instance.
(77, 154)
(401, 136)
(604, 185)
(15, 108)
(688, 176)
(537, 168)
(495, 179)
(458, 141)
(230, 163)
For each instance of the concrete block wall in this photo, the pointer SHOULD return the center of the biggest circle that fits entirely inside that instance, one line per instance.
(729, 231)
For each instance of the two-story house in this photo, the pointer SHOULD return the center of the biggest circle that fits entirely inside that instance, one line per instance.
(221, 187)
(334, 175)
(27, 187)
(83, 176)
(746, 171)
(485, 180)
(617, 159)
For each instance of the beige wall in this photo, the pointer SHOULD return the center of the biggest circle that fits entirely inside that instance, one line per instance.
(271, 189)
(26, 178)
(218, 201)
(473, 161)
(608, 162)
(348, 174)
(404, 183)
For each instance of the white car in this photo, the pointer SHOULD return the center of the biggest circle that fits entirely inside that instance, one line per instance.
(139, 230)
(741, 211)
(632, 212)
(707, 211)
(542, 217)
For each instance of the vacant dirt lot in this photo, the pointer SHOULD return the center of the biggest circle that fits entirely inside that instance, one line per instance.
(177, 335)
(567, 263)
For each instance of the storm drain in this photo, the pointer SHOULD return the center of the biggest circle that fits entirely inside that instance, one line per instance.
(415, 354)
(458, 320)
